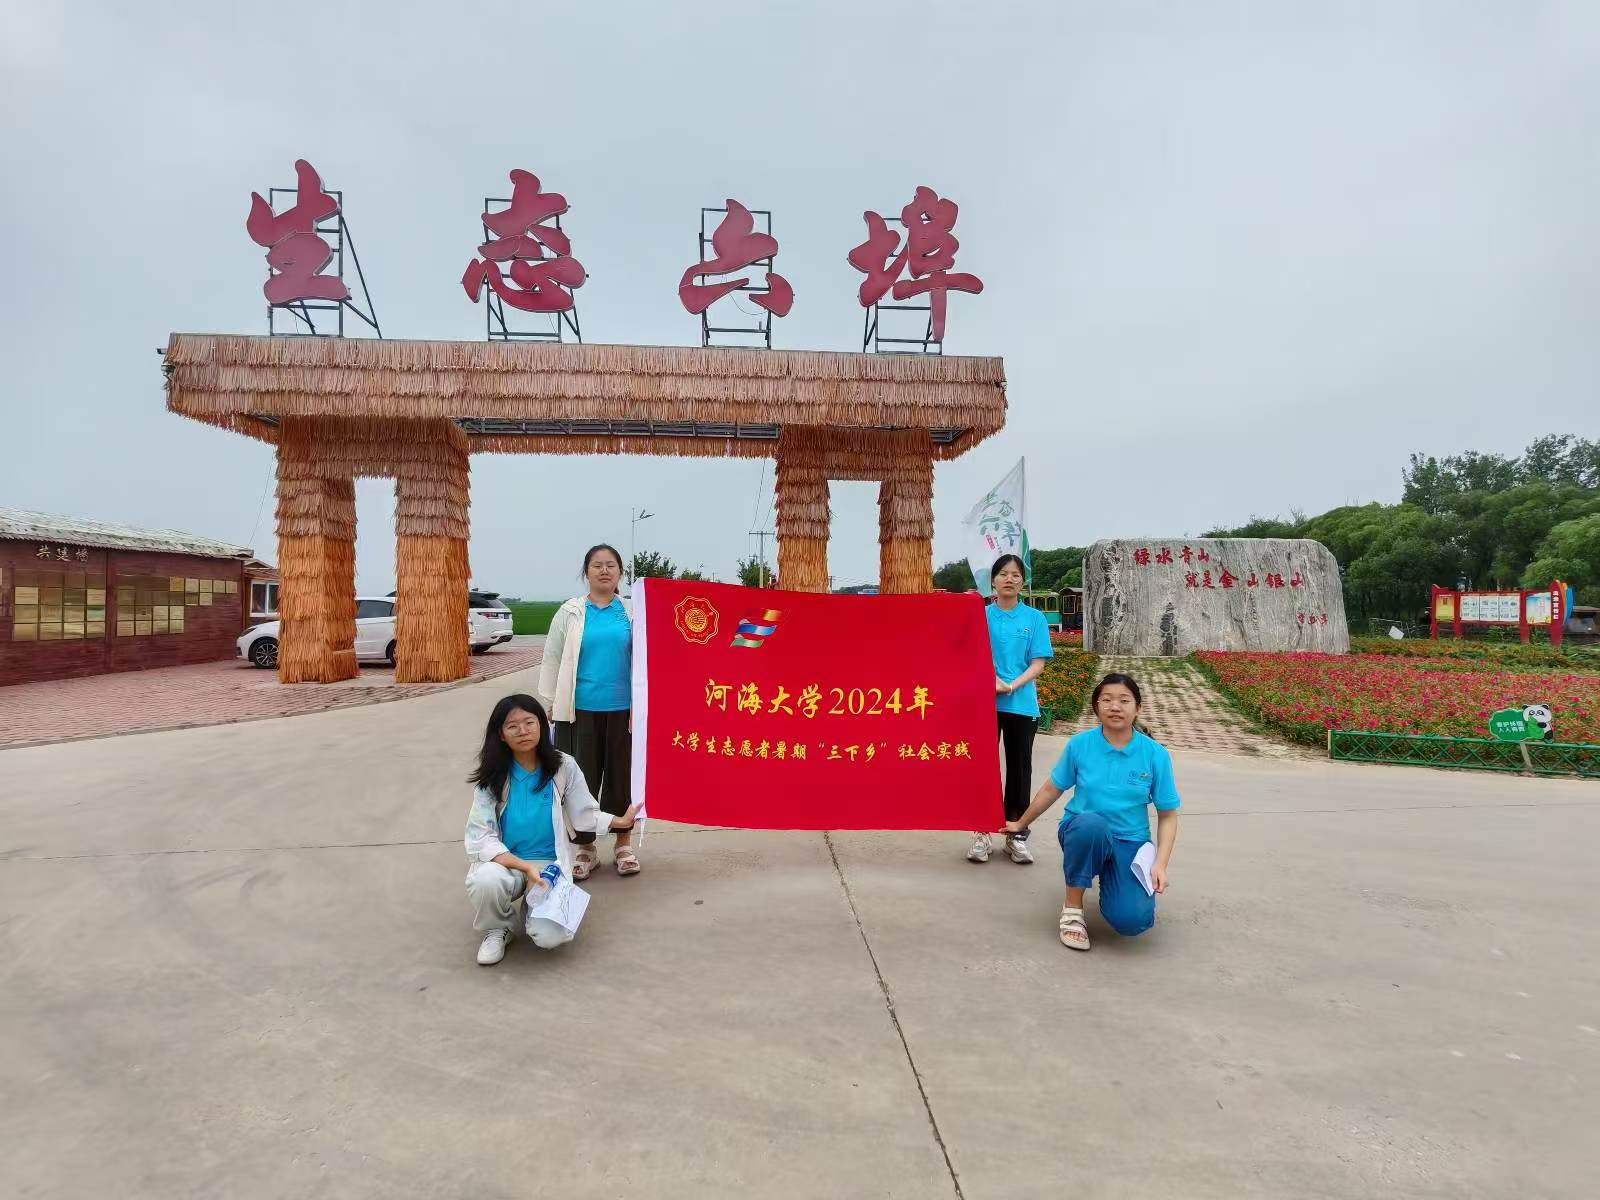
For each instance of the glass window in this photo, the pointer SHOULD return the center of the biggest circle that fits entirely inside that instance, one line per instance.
(374, 608)
(146, 605)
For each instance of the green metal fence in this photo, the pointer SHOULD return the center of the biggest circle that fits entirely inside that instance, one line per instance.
(1482, 754)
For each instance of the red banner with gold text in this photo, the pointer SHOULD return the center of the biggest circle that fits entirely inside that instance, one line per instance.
(786, 710)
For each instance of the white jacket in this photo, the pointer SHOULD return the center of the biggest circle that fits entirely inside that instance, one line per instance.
(558, 672)
(575, 810)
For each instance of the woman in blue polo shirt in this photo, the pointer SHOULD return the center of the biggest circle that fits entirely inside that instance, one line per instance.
(586, 681)
(1019, 643)
(1115, 773)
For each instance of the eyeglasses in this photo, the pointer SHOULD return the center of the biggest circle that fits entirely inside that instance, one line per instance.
(520, 728)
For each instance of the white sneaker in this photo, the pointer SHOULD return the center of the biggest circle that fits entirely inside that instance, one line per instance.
(980, 849)
(1017, 848)
(493, 948)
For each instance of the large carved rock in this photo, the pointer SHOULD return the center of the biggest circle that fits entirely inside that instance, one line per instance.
(1153, 596)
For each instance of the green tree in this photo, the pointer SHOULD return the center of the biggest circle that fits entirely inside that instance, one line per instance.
(647, 564)
(954, 576)
(689, 574)
(1563, 459)
(1571, 553)
(751, 572)
(1058, 568)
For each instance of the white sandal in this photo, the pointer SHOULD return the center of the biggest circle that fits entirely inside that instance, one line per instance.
(627, 861)
(583, 862)
(1074, 933)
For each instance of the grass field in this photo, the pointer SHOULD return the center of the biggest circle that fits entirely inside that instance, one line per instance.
(532, 616)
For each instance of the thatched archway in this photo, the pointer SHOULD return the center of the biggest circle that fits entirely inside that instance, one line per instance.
(338, 410)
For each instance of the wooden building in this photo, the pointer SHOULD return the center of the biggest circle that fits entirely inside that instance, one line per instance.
(86, 597)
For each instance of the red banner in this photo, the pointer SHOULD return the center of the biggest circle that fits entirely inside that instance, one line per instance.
(787, 710)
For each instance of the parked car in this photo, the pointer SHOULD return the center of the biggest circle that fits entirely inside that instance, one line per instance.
(374, 635)
(491, 620)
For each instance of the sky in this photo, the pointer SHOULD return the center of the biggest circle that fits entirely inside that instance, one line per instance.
(1238, 257)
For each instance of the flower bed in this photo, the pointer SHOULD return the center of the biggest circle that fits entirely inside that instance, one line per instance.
(1305, 695)
(1067, 681)
(1535, 654)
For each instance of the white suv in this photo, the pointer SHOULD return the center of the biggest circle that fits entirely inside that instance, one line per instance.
(491, 620)
(374, 635)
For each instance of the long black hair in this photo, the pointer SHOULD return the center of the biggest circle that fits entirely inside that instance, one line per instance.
(1004, 561)
(494, 760)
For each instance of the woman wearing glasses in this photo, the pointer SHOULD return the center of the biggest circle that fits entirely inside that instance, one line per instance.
(586, 680)
(530, 805)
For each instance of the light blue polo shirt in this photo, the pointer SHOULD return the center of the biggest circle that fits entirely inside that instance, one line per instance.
(1016, 638)
(527, 826)
(1117, 784)
(605, 659)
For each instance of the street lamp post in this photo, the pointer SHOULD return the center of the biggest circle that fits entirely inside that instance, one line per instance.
(638, 514)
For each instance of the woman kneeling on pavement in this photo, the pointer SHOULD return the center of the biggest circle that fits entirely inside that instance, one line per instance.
(586, 679)
(1114, 772)
(530, 804)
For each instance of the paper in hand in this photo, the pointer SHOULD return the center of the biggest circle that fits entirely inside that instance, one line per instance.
(1143, 860)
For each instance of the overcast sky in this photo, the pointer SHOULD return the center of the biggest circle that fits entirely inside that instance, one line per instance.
(1237, 257)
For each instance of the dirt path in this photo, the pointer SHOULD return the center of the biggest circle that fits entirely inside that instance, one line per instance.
(1184, 712)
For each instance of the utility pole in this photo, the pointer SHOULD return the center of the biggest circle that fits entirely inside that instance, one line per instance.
(638, 514)
(761, 553)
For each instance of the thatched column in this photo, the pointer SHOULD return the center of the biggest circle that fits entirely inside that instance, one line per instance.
(430, 466)
(905, 526)
(316, 558)
(802, 503)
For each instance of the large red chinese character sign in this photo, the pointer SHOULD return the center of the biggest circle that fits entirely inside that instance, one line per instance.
(736, 246)
(529, 239)
(295, 252)
(920, 265)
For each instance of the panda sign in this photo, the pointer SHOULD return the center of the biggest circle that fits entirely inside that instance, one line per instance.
(1531, 724)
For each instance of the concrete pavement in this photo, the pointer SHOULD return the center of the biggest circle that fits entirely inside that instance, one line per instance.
(238, 962)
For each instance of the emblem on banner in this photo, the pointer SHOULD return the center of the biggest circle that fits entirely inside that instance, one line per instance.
(696, 619)
(753, 632)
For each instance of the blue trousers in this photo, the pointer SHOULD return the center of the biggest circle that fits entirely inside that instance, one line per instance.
(1087, 850)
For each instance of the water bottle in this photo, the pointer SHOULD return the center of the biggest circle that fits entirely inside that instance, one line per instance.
(547, 881)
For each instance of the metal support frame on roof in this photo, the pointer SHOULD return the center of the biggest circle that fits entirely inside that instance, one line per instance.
(732, 334)
(588, 427)
(336, 233)
(545, 327)
(584, 427)
(873, 339)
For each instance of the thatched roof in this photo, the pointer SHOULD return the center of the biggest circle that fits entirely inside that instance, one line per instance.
(18, 524)
(562, 398)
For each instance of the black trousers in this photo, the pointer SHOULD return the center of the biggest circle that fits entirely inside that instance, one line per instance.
(1016, 737)
(603, 748)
